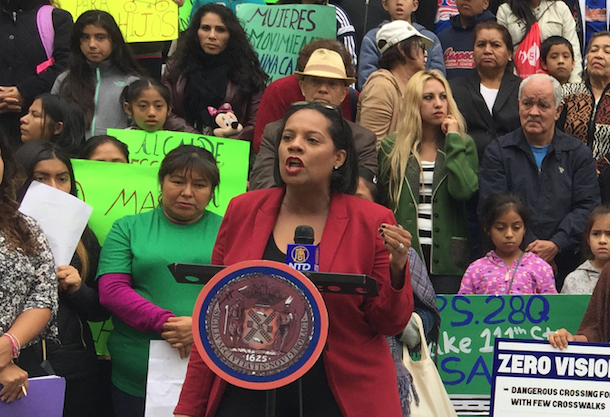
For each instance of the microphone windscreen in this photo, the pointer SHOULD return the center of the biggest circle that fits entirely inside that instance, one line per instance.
(303, 235)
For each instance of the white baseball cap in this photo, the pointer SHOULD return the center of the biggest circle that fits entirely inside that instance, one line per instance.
(397, 31)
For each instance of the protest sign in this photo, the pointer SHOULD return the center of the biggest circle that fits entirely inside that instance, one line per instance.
(114, 190)
(470, 324)
(186, 9)
(531, 378)
(277, 33)
(184, 15)
(139, 20)
(232, 156)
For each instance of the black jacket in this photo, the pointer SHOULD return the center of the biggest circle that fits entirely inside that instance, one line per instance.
(73, 356)
(482, 126)
(21, 51)
(560, 195)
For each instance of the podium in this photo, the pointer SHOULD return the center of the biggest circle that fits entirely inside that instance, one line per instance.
(330, 282)
(261, 324)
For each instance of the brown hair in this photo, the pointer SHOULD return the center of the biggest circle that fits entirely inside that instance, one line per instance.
(597, 212)
(15, 229)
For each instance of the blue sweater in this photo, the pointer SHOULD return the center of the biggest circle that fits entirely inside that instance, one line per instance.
(458, 45)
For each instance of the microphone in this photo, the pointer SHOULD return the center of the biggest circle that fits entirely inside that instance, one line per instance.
(303, 255)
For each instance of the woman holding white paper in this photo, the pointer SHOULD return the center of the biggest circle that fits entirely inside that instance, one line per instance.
(28, 299)
(74, 357)
(135, 283)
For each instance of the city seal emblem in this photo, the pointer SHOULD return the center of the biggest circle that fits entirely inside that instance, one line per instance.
(260, 324)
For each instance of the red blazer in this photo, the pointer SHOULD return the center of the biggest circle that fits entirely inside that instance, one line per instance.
(358, 364)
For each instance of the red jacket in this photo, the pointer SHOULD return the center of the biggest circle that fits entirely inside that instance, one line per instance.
(359, 367)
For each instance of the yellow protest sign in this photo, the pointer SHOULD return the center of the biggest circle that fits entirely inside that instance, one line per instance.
(139, 20)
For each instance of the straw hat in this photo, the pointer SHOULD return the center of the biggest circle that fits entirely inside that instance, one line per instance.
(397, 31)
(324, 63)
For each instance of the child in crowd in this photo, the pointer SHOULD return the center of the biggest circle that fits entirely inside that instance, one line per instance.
(507, 269)
(54, 119)
(369, 51)
(147, 102)
(457, 41)
(105, 148)
(557, 58)
(101, 65)
(597, 248)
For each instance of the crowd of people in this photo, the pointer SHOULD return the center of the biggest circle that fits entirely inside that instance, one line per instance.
(437, 163)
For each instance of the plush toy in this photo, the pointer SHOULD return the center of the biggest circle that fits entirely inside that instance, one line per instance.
(227, 122)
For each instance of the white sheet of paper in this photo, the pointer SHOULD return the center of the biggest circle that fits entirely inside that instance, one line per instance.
(166, 374)
(61, 216)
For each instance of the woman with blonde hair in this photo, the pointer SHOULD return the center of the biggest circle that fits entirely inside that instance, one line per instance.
(428, 170)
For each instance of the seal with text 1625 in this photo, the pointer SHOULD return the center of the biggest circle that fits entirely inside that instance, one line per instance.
(260, 324)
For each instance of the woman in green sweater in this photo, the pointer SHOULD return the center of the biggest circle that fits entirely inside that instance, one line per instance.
(428, 170)
(135, 284)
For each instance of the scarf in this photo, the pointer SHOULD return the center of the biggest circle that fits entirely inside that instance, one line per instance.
(206, 85)
(406, 389)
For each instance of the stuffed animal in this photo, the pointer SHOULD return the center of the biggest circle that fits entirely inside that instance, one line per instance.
(227, 122)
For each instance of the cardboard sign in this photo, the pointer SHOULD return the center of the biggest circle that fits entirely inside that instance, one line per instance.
(278, 33)
(139, 20)
(470, 325)
(531, 378)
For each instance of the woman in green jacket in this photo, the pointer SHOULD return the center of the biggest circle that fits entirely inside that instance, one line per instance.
(428, 170)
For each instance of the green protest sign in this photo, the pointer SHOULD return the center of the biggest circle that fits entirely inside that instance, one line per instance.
(231, 155)
(277, 33)
(470, 324)
(184, 15)
(114, 190)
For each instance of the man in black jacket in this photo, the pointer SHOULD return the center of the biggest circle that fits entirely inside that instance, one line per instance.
(552, 172)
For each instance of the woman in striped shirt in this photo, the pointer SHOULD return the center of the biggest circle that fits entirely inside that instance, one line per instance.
(428, 170)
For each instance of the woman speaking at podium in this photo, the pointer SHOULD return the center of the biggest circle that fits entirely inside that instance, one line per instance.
(355, 375)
